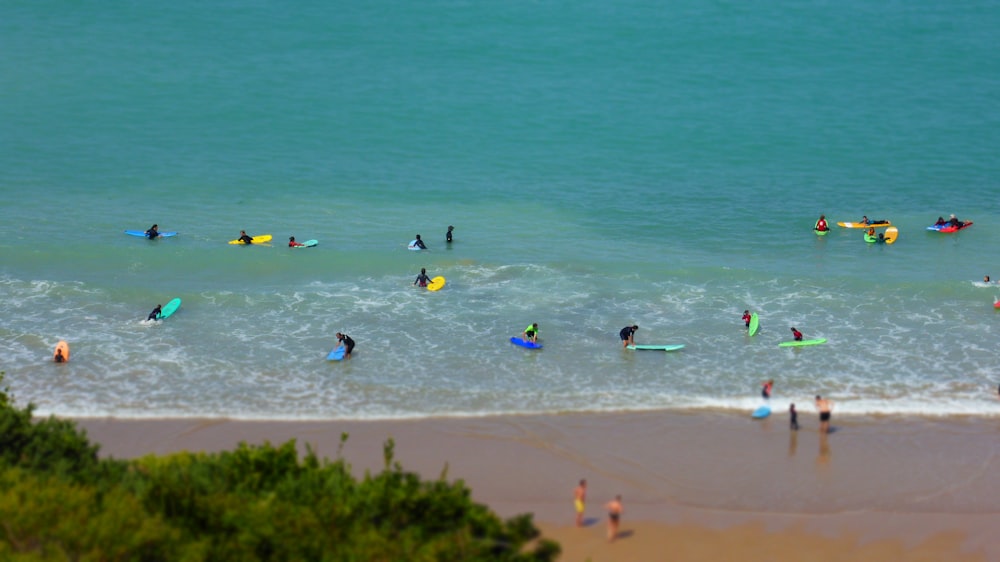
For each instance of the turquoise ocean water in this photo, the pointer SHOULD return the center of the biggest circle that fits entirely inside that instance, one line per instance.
(603, 163)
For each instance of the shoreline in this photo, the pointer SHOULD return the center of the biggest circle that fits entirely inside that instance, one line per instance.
(918, 483)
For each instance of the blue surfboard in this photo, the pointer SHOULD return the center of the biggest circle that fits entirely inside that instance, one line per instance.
(525, 343)
(142, 233)
(337, 354)
(761, 412)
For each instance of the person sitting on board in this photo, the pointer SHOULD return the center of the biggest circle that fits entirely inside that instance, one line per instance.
(153, 232)
(346, 341)
(418, 243)
(244, 238)
(292, 243)
(821, 224)
(765, 389)
(627, 334)
(423, 279)
(796, 334)
(941, 222)
(746, 318)
(155, 315)
(531, 333)
(955, 222)
(59, 358)
(871, 232)
(447, 236)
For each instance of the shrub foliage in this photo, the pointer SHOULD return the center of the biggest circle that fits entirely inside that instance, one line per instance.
(60, 501)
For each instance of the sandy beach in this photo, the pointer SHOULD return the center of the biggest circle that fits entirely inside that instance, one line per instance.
(695, 486)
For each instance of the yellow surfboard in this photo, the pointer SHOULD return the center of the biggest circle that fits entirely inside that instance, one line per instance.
(62, 349)
(256, 240)
(890, 234)
(436, 284)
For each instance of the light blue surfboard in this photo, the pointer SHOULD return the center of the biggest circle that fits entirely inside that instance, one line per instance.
(142, 233)
(656, 347)
(337, 354)
(761, 412)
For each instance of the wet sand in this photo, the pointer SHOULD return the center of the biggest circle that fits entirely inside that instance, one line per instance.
(694, 485)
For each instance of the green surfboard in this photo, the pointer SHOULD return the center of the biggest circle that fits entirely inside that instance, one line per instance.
(754, 324)
(802, 343)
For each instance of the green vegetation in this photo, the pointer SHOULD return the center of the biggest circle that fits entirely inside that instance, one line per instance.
(59, 501)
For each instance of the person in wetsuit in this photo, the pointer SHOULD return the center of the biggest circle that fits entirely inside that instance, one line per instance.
(419, 243)
(447, 236)
(627, 335)
(244, 238)
(153, 232)
(346, 341)
(155, 315)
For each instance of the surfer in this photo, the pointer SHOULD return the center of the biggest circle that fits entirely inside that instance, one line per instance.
(952, 221)
(821, 224)
(244, 238)
(824, 406)
(986, 279)
(447, 236)
(614, 508)
(531, 333)
(864, 220)
(881, 238)
(292, 243)
(153, 232)
(155, 315)
(346, 341)
(746, 318)
(627, 334)
(793, 418)
(418, 243)
(796, 334)
(422, 279)
(765, 389)
(579, 501)
(59, 358)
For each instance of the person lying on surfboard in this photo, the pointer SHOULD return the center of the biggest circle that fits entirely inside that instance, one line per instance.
(292, 243)
(797, 335)
(153, 232)
(244, 238)
(952, 221)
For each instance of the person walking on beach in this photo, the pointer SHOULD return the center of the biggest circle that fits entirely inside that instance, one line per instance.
(765, 389)
(824, 406)
(793, 418)
(627, 334)
(447, 236)
(579, 501)
(346, 341)
(614, 508)
(797, 335)
(423, 279)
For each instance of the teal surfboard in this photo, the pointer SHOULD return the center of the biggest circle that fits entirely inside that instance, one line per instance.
(802, 343)
(337, 353)
(754, 325)
(656, 347)
(307, 244)
(170, 308)
(761, 412)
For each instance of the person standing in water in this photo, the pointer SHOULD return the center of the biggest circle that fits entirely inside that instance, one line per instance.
(418, 243)
(797, 335)
(793, 418)
(580, 501)
(627, 335)
(447, 236)
(59, 357)
(423, 279)
(615, 510)
(155, 315)
(746, 318)
(346, 341)
(153, 232)
(531, 333)
(765, 389)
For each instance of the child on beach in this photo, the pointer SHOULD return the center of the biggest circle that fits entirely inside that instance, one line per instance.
(765, 389)
(793, 418)
(579, 501)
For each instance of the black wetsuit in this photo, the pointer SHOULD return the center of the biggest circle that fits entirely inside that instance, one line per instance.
(422, 280)
(155, 315)
(626, 333)
(793, 422)
(348, 343)
(420, 244)
(447, 237)
(151, 234)
(246, 239)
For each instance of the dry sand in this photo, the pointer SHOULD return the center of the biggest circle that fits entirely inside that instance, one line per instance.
(696, 486)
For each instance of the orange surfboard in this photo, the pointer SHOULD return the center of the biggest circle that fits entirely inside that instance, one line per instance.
(62, 347)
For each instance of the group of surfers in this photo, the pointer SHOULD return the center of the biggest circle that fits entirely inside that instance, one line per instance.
(153, 232)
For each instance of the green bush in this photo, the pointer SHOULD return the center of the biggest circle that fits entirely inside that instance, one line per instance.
(59, 501)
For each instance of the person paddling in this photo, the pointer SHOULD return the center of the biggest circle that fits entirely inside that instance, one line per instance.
(153, 232)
